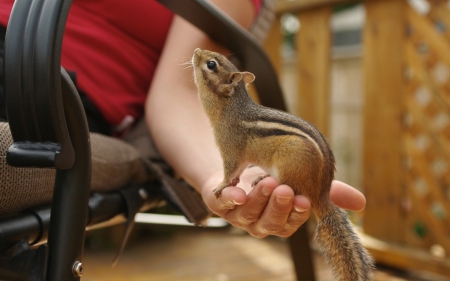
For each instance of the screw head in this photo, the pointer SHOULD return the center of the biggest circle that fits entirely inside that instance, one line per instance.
(77, 269)
(143, 194)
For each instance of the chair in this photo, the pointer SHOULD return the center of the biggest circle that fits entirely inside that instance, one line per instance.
(47, 137)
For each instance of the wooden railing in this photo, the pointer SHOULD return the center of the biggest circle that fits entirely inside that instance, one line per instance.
(406, 128)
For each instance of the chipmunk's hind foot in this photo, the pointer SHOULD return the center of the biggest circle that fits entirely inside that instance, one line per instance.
(258, 179)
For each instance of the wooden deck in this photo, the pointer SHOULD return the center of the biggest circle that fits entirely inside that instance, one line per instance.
(184, 253)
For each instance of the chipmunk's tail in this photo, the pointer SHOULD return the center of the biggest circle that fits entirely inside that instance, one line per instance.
(341, 246)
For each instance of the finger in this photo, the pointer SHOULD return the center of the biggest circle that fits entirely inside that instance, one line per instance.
(230, 198)
(276, 213)
(347, 197)
(299, 215)
(256, 202)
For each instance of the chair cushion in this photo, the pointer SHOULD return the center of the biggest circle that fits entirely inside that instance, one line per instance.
(114, 164)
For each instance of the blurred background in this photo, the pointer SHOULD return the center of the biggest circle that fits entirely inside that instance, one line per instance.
(374, 77)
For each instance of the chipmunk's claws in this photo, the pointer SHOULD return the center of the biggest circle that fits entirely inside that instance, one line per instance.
(217, 192)
(258, 179)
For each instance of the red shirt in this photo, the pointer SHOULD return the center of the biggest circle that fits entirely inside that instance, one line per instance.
(113, 46)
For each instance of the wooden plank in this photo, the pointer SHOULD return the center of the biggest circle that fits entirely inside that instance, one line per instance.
(422, 28)
(441, 100)
(419, 68)
(418, 235)
(434, 225)
(314, 62)
(433, 195)
(384, 34)
(404, 257)
(293, 6)
(439, 11)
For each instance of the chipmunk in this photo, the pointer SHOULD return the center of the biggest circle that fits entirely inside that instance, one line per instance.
(287, 147)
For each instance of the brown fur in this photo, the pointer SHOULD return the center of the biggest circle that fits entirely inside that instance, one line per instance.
(287, 147)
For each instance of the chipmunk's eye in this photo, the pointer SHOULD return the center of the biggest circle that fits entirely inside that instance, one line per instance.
(211, 64)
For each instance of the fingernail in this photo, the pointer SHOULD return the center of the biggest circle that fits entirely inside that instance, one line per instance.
(283, 201)
(266, 191)
(235, 203)
(298, 209)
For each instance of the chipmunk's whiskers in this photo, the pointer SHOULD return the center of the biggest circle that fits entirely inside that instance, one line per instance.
(186, 62)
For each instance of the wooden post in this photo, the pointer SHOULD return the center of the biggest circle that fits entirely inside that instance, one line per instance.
(314, 60)
(384, 37)
(314, 49)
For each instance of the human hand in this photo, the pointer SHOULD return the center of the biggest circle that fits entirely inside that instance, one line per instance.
(270, 208)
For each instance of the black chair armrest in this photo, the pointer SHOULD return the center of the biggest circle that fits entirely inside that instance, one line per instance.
(32, 76)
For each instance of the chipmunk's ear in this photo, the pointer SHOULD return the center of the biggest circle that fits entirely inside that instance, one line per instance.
(227, 88)
(238, 76)
(248, 77)
(235, 77)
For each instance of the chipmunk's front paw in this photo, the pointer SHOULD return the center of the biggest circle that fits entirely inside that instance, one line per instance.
(258, 179)
(219, 189)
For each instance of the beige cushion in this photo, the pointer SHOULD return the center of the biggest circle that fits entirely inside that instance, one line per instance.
(114, 164)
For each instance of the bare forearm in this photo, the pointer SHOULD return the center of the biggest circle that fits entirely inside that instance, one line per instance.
(182, 132)
(178, 125)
